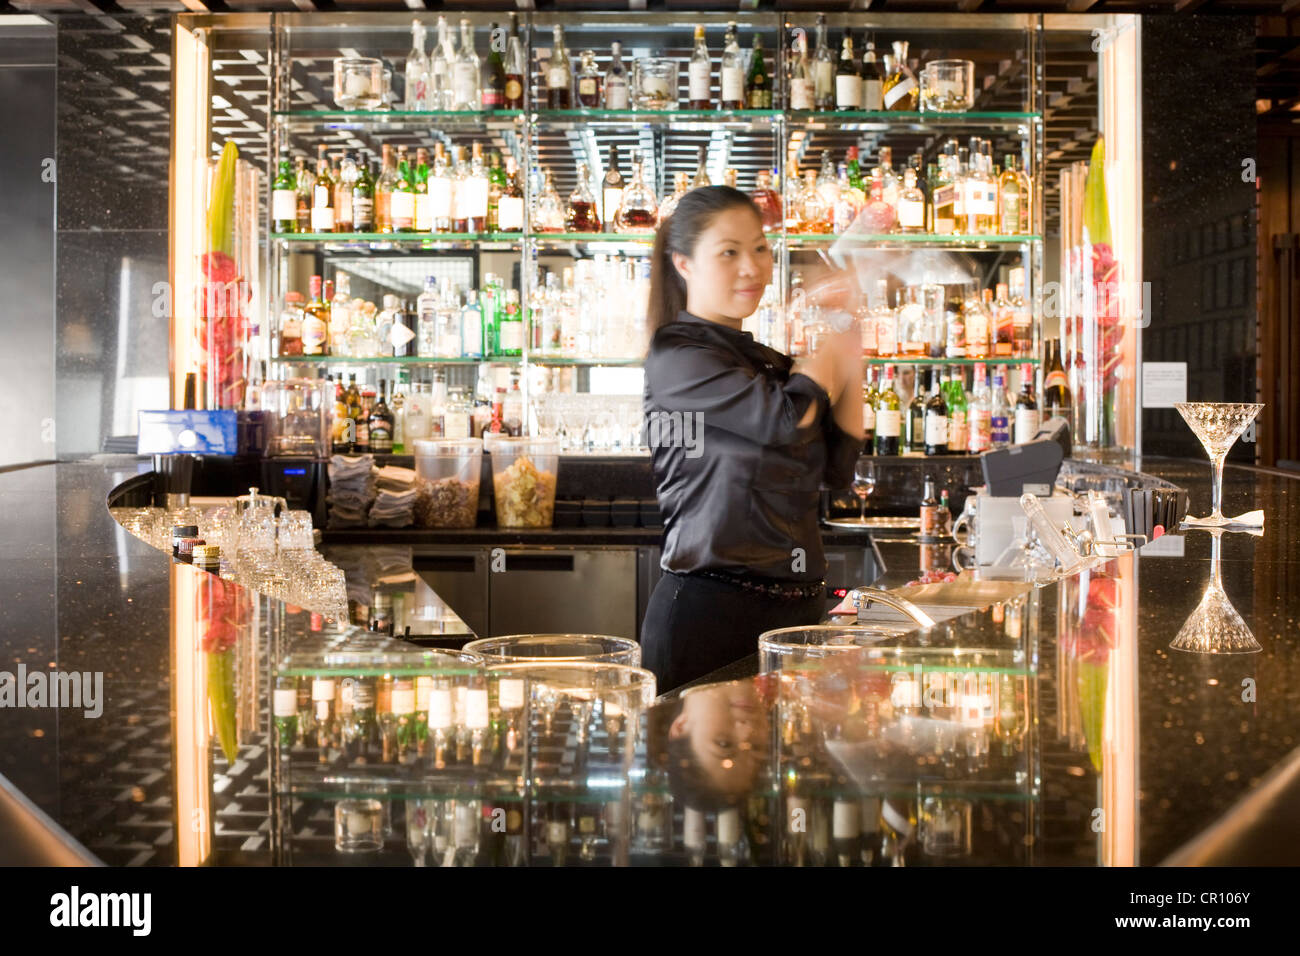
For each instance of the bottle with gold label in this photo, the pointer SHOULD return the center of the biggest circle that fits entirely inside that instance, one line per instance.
(898, 92)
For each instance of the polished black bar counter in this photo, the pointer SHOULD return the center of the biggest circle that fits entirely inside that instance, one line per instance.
(82, 595)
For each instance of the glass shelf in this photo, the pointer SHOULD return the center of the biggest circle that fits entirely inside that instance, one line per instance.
(405, 240)
(681, 119)
(996, 360)
(541, 360)
(900, 240)
(916, 122)
(373, 120)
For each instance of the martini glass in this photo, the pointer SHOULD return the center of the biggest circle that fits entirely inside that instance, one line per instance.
(1218, 425)
(1215, 627)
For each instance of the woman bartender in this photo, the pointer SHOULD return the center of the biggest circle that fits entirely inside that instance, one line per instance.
(742, 438)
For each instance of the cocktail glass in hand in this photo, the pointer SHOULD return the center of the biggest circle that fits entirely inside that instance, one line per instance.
(864, 483)
(1218, 425)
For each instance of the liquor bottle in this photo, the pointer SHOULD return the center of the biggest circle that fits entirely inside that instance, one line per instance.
(322, 204)
(733, 848)
(494, 75)
(1000, 411)
(284, 199)
(510, 338)
(474, 204)
(559, 75)
(401, 198)
(352, 404)
(885, 320)
(878, 215)
(955, 321)
(911, 204)
(344, 184)
(812, 211)
(471, 326)
(888, 418)
(767, 199)
(943, 194)
(732, 72)
(1056, 386)
(931, 526)
(935, 430)
(827, 184)
(362, 202)
(510, 205)
(580, 215)
(846, 205)
(700, 74)
(588, 80)
(869, 397)
(417, 72)
(381, 426)
(384, 191)
(1022, 331)
(803, 84)
(916, 416)
(1013, 200)
(872, 80)
(441, 58)
(548, 215)
(823, 69)
(898, 92)
(439, 186)
(1027, 418)
(611, 188)
(466, 93)
(912, 326)
(979, 434)
(759, 85)
(316, 322)
(460, 191)
(322, 698)
(616, 94)
(305, 180)
(442, 730)
(1004, 322)
(958, 412)
(701, 170)
(496, 186)
(637, 209)
(681, 185)
(979, 326)
(420, 180)
(848, 84)
(284, 709)
(291, 324)
(513, 97)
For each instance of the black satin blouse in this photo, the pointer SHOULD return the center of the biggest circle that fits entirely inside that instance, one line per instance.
(738, 480)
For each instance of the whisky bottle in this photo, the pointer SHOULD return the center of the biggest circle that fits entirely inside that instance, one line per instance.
(304, 180)
(322, 205)
(588, 80)
(401, 199)
(384, 191)
(935, 429)
(611, 190)
(381, 426)
(873, 80)
(363, 200)
(316, 321)
(1027, 417)
(916, 417)
(580, 215)
(898, 92)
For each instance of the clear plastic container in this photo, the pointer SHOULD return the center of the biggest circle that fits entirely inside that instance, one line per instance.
(447, 475)
(523, 481)
(557, 648)
(797, 646)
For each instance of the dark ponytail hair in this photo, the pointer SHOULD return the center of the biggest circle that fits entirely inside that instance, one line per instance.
(679, 233)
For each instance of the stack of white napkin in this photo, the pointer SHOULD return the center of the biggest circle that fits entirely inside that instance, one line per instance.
(352, 490)
(395, 505)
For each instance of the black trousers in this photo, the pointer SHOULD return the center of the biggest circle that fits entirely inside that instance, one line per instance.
(695, 625)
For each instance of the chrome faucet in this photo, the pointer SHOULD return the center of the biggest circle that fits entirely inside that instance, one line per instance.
(863, 597)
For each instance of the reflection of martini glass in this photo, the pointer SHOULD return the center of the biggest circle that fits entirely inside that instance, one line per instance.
(1217, 425)
(1215, 627)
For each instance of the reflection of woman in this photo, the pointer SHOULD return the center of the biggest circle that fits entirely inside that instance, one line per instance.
(742, 438)
(716, 745)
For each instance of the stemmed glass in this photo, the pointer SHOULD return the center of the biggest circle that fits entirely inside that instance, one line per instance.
(1215, 627)
(864, 483)
(1218, 425)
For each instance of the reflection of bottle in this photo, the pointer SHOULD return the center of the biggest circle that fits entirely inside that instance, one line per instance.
(846, 831)
(693, 835)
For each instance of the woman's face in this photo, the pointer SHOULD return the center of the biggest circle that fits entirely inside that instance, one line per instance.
(729, 269)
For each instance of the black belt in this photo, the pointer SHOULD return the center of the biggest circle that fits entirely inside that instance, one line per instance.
(768, 588)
